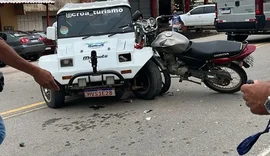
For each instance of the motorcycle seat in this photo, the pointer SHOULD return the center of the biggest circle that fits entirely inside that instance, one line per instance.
(214, 49)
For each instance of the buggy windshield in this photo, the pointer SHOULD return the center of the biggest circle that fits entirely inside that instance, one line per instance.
(94, 22)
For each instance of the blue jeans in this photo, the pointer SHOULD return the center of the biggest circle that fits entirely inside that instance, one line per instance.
(2, 130)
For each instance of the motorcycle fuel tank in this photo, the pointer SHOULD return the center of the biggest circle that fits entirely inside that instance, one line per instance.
(171, 42)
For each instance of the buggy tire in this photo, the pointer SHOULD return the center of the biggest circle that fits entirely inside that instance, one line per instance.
(149, 72)
(56, 99)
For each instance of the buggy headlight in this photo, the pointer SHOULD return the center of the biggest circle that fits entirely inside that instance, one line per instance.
(66, 62)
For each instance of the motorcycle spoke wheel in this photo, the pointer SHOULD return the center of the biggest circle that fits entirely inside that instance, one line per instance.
(238, 76)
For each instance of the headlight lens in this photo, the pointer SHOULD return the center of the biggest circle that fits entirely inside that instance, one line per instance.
(66, 62)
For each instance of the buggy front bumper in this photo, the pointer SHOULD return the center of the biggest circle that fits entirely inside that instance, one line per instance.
(121, 82)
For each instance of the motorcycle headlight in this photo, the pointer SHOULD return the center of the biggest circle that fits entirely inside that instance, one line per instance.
(66, 62)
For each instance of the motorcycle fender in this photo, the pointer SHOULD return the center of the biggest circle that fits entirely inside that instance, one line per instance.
(159, 62)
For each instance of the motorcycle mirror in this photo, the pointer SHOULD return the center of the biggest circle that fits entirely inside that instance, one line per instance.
(137, 14)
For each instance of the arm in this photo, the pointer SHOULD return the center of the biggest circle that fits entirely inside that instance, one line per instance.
(11, 58)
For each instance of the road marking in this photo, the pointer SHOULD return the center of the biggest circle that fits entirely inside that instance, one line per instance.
(22, 108)
(27, 109)
(25, 112)
(265, 152)
(262, 45)
(257, 45)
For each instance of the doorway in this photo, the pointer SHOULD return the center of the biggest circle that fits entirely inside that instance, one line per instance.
(165, 7)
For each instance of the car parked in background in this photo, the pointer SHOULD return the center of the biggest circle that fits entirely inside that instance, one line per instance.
(200, 17)
(50, 44)
(28, 46)
(239, 19)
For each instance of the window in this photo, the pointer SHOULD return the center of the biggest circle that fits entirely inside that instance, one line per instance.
(197, 11)
(94, 22)
(209, 9)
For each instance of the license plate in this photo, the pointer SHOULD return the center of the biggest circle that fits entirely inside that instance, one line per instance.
(34, 40)
(48, 48)
(88, 93)
(249, 60)
(226, 11)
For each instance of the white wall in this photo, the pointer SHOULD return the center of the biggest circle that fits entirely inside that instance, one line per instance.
(31, 21)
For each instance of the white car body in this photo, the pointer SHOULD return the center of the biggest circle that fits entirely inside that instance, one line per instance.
(107, 48)
(203, 15)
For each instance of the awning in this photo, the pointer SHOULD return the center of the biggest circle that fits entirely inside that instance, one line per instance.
(27, 1)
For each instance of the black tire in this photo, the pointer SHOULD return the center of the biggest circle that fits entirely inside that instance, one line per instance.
(243, 77)
(239, 38)
(2, 64)
(35, 57)
(57, 98)
(166, 83)
(166, 78)
(151, 76)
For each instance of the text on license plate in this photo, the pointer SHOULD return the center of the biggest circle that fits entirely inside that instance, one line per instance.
(34, 40)
(226, 11)
(99, 92)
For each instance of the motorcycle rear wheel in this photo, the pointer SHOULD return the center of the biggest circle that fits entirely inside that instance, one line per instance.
(243, 79)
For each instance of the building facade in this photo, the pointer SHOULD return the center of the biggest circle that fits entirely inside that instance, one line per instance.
(27, 17)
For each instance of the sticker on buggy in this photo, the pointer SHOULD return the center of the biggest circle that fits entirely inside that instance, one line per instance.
(64, 30)
(95, 12)
(96, 45)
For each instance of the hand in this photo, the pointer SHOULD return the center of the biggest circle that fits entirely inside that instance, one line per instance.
(255, 96)
(45, 79)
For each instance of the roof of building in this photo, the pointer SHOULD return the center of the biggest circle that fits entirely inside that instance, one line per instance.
(27, 1)
(94, 5)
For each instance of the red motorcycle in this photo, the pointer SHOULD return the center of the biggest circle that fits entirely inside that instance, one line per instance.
(207, 61)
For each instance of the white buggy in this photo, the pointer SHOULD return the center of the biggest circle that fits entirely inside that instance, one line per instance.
(96, 55)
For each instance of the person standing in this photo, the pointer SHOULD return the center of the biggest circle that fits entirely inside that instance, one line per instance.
(41, 76)
(176, 22)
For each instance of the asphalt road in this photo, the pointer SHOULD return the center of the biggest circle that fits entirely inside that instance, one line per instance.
(189, 121)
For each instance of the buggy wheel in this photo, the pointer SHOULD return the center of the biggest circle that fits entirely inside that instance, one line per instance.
(53, 98)
(148, 82)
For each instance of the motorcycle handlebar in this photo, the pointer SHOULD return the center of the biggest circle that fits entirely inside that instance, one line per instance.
(156, 27)
(140, 24)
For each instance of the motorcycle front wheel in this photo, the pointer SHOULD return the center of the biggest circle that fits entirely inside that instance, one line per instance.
(223, 85)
